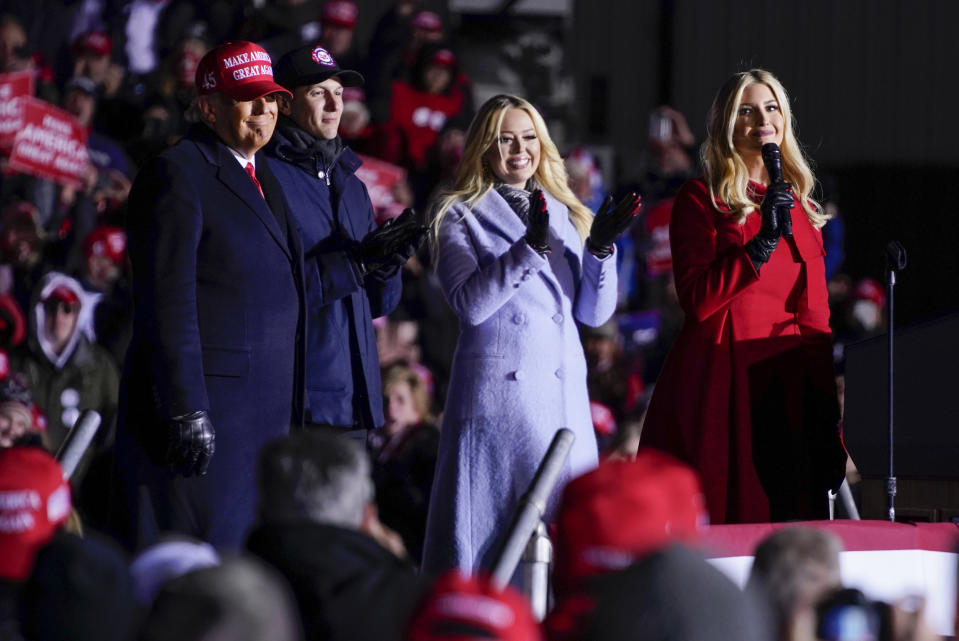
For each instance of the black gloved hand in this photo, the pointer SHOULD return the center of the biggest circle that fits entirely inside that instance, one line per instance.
(779, 198)
(190, 443)
(610, 222)
(387, 247)
(537, 227)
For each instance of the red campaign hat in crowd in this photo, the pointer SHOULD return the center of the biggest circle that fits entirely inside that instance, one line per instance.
(623, 510)
(34, 502)
(444, 58)
(95, 42)
(109, 242)
(461, 608)
(241, 70)
(341, 13)
(63, 294)
(869, 289)
(427, 21)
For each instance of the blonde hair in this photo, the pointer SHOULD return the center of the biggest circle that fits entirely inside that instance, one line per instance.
(474, 178)
(726, 172)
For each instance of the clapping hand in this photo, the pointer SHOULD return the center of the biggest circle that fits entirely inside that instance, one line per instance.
(386, 248)
(610, 222)
(537, 228)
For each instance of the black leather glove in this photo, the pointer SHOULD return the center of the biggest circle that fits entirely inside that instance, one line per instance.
(610, 222)
(387, 247)
(190, 443)
(537, 227)
(779, 198)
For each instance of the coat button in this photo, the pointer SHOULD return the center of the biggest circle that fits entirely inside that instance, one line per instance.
(519, 319)
(558, 318)
(525, 277)
(321, 174)
(559, 373)
(518, 375)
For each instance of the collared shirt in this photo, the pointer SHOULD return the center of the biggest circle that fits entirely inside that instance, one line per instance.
(240, 159)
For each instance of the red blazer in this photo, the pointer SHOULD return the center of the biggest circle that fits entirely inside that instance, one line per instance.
(747, 394)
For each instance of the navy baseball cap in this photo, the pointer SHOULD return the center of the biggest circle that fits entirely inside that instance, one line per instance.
(311, 64)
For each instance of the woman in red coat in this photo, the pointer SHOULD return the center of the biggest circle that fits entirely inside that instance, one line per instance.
(747, 395)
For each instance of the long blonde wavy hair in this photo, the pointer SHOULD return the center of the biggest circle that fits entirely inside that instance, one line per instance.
(726, 172)
(474, 178)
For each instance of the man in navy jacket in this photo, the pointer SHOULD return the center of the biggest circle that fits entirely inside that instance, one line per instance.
(215, 368)
(352, 267)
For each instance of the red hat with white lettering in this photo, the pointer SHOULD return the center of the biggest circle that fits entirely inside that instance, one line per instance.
(109, 242)
(34, 501)
(460, 608)
(241, 70)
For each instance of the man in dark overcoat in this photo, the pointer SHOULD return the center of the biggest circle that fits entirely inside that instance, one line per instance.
(352, 267)
(215, 368)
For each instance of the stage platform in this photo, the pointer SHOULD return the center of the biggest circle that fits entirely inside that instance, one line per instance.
(887, 561)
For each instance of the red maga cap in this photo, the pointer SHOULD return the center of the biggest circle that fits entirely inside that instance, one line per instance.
(95, 42)
(444, 58)
(63, 294)
(241, 70)
(341, 13)
(624, 510)
(109, 242)
(460, 608)
(34, 501)
(428, 21)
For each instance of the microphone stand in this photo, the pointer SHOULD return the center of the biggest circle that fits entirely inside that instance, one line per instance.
(895, 261)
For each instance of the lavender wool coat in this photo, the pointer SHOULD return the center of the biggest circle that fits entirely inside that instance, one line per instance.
(518, 375)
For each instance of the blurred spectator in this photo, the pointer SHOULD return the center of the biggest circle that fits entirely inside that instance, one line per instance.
(34, 503)
(356, 130)
(338, 22)
(794, 568)
(396, 40)
(420, 110)
(22, 245)
(16, 54)
(17, 411)
(66, 372)
(80, 589)
(673, 594)
(91, 57)
(611, 377)
(240, 600)
(613, 516)
(405, 457)
(585, 178)
(164, 561)
(106, 278)
(318, 526)
(459, 608)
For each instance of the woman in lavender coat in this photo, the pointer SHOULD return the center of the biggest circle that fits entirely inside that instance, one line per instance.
(510, 255)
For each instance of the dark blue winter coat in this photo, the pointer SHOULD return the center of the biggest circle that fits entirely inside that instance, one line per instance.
(333, 210)
(218, 297)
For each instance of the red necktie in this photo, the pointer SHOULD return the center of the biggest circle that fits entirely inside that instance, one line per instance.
(252, 173)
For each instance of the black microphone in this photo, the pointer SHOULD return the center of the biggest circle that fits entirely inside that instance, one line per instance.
(773, 160)
(895, 256)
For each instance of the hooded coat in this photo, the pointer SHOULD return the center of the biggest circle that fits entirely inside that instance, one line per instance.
(82, 376)
(519, 373)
